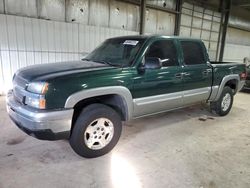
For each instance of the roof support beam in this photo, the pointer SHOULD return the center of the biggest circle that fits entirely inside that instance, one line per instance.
(155, 7)
(142, 17)
(178, 17)
(241, 3)
(225, 15)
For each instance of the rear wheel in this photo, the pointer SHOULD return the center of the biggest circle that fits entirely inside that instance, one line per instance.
(96, 131)
(223, 106)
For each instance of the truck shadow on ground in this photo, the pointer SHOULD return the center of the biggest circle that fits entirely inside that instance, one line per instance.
(16, 140)
(200, 113)
(245, 91)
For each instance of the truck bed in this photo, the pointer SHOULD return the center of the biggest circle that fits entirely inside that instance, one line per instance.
(222, 69)
(225, 63)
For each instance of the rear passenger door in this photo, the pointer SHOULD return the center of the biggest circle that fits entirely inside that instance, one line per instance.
(196, 72)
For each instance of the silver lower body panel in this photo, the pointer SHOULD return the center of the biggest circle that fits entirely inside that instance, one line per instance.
(43, 123)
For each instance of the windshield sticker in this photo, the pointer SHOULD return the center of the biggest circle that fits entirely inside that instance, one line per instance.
(131, 42)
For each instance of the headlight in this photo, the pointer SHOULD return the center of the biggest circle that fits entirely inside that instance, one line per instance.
(36, 95)
(38, 87)
(36, 101)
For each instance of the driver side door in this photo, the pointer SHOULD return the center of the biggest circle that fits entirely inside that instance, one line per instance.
(157, 90)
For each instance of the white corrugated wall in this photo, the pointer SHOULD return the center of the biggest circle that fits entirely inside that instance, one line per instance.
(26, 41)
(201, 23)
(67, 28)
(237, 45)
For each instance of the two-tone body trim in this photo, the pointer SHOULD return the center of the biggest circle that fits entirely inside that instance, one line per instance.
(145, 105)
(224, 64)
(153, 104)
(222, 85)
(213, 93)
(157, 103)
(73, 99)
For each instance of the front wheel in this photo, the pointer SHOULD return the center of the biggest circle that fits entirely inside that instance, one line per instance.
(96, 131)
(223, 106)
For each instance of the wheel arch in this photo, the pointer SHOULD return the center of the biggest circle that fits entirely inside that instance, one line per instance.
(117, 97)
(231, 81)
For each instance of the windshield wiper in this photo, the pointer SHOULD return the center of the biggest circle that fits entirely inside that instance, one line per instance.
(105, 62)
(85, 59)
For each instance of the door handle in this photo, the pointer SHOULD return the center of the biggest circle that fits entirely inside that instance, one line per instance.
(209, 70)
(205, 72)
(178, 75)
(186, 74)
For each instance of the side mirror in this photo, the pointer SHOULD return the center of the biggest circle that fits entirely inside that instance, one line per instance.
(152, 63)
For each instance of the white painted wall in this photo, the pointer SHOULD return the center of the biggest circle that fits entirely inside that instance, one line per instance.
(237, 45)
(201, 23)
(27, 41)
(236, 52)
(74, 27)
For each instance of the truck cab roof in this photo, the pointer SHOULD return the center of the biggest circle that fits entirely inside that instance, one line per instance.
(145, 37)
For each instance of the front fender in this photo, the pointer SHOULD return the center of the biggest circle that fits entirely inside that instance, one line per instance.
(124, 92)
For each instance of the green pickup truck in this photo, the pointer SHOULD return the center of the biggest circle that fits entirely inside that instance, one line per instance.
(124, 78)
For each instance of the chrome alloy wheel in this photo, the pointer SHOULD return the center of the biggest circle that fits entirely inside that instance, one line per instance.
(226, 101)
(99, 133)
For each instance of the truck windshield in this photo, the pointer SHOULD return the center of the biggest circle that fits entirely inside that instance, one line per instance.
(118, 52)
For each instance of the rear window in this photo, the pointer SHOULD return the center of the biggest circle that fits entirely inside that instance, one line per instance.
(192, 52)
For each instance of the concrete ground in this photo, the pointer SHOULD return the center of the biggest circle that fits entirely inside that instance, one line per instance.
(184, 148)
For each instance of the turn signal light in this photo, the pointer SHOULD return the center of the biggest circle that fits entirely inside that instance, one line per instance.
(42, 103)
(243, 75)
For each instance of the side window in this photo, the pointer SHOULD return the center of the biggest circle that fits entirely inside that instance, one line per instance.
(165, 50)
(192, 52)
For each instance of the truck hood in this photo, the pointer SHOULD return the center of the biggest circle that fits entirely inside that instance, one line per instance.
(51, 70)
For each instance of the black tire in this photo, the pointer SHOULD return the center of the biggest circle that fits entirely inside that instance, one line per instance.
(88, 115)
(217, 106)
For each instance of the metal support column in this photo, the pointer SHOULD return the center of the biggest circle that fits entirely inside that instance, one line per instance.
(177, 17)
(142, 17)
(226, 14)
(220, 9)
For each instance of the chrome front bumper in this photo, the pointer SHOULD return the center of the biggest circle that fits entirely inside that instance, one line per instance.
(45, 125)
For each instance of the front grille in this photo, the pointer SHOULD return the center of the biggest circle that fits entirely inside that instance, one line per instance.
(19, 85)
(18, 94)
